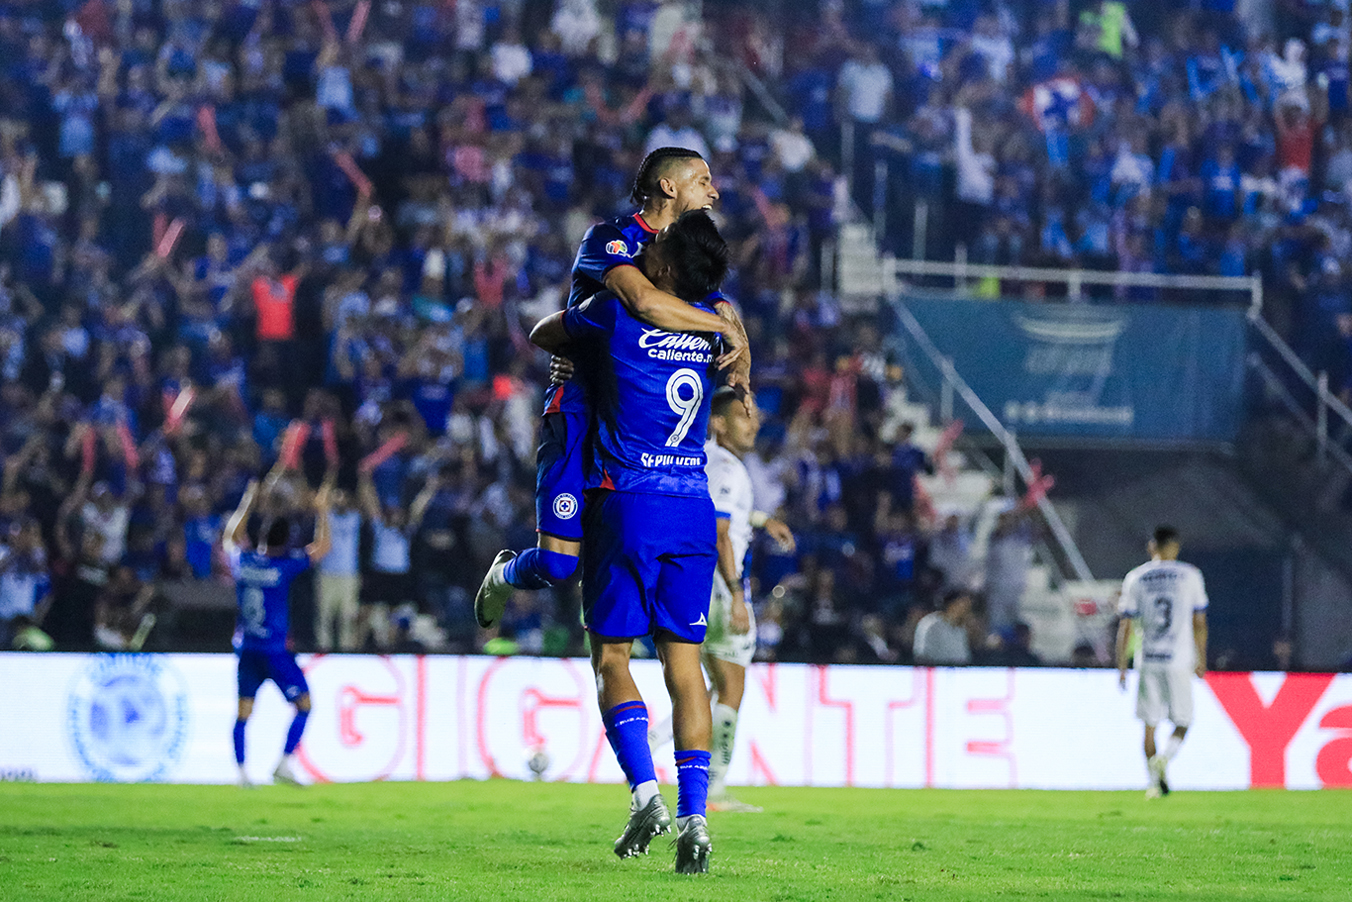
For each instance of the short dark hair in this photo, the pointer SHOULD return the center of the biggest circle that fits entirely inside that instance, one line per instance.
(698, 255)
(656, 165)
(952, 596)
(1163, 535)
(278, 534)
(723, 398)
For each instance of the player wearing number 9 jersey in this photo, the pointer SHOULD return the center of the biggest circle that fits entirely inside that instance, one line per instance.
(649, 559)
(263, 581)
(670, 182)
(1167, 600)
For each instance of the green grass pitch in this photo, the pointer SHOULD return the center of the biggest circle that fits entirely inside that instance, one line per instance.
(503, 840)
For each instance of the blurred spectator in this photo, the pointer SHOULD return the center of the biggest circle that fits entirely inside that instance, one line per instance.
(941, 636)
(24, 581)
(1015, 649)
(122, 619)
(1009, 553)
(338, 589)
(950, 552)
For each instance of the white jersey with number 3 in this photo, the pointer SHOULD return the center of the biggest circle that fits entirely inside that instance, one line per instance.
(1164, 595)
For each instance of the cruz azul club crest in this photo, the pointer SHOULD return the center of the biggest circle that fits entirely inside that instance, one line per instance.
(127, 717)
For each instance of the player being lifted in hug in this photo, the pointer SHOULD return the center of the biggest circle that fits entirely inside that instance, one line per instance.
(670, 181)
(651, 541)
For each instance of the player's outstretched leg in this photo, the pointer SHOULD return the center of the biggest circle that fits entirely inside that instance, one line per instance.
(491, 599)
(533, 569)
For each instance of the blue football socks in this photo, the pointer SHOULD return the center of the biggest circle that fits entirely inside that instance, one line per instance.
(293, 734)
(239, 742)
(692, 782)
(627, 730)
(536, 568)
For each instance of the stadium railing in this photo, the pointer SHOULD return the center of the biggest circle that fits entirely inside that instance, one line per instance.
(1280, 370)
(954, 384)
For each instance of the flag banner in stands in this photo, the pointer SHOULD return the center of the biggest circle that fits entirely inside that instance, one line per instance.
(168, 718)
(1126, 371)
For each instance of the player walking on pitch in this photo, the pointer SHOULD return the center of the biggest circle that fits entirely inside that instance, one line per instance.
(1167, 598)
(670, 182)
(730, 642)
(263, 584)
(651, 544)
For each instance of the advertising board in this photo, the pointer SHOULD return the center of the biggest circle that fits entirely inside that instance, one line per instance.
(74, 718)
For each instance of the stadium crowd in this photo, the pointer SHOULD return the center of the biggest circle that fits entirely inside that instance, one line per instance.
(1202, 138)
(235, 233)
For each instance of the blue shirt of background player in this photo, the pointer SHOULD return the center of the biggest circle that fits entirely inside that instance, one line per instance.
(263, 590)
(605, 246)
(649, 390)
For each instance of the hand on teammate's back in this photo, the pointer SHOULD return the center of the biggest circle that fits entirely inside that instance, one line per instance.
(560, 369)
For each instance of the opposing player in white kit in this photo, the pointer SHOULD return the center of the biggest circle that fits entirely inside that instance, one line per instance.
(1168, 599)
(730, 641)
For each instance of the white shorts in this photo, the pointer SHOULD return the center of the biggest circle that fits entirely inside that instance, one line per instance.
(1164, 693)
(719, 640)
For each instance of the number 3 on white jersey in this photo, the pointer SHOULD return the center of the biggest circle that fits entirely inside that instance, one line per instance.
(686, 407)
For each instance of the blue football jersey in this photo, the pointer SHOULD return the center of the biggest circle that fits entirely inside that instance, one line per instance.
(263, 590)
(650, 393)
(606, 245)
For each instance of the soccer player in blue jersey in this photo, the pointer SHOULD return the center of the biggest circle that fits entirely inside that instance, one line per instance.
(263, 584)
(670, 182)
(650, 554)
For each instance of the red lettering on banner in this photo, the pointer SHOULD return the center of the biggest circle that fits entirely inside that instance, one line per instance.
(597, 748)
(350, 700)
(848, 707)
(889, 719)
(929, 726)
(534, 700)
(998, 748)
(1268, 729)
(766, 675)
(481, 728)
(759, 764)
(420, 733)
(1334, 763)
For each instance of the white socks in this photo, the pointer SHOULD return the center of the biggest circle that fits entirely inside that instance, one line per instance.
(725, 731)
(644, 792)
(1171, 747)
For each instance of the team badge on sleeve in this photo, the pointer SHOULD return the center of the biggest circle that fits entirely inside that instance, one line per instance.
(565, 506)
(618, 249)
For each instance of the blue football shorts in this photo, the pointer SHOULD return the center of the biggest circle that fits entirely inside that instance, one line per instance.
(559, 475)
(648, 565)
(257, 666)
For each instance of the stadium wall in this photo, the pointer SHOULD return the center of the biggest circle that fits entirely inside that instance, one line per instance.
(168, 718)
